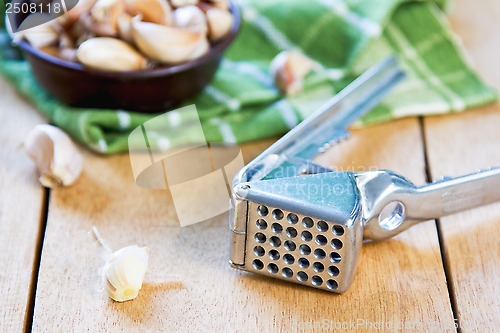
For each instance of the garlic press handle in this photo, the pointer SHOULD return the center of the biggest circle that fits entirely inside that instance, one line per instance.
(392, 204)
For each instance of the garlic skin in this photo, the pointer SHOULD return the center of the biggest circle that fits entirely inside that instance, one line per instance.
(111, 54)
(191, 17)
(169, 45)
(123, 271)
(58, 160)
(153, 11)
(219, 23)
(289, 69)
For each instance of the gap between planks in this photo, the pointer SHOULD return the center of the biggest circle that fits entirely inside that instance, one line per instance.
(30, 306)
(444, 257)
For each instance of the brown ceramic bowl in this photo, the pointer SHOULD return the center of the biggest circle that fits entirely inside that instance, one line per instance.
(147, 91)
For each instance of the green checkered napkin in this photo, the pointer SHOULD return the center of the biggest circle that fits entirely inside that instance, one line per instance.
(344, 36)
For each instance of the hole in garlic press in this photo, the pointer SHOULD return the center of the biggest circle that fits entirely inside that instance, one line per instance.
(292, 218)
(259, 251)
(287, 272)
(303, 263)
(274, 255)
(275, 241)
(302, 276)
(291, 232)
(338, 230)
(305, 249)
(322, 226)
(278, 214)
(257, 264)
(318, 267)
(260, 237)
(332, 284)
(290, 246)
(307, 222)
(272, 268)
(333, 271)
(316, 280)
(261, 224)
(336, 244)
(277, 228)
(288, 259)
(392, 215)
(262, 211)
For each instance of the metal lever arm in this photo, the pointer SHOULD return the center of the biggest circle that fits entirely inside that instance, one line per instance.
(392, 204)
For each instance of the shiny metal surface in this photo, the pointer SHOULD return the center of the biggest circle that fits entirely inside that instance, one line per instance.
(376, 205)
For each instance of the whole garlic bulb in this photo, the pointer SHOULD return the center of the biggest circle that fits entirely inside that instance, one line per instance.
(58, 160)
(107, 53)
(124, 270)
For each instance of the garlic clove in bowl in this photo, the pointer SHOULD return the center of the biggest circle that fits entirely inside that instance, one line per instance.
(153, 11)
(191, 17)
(219, 23)
(169, 45)
(111, 54)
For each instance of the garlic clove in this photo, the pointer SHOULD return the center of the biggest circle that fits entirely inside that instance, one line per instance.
(169, 45)
(154, 11)
(106, 12)
(125, 27)
(68, 19)
(219, 23)
(58, 160)
(289, 69)
(220, 4)
(191, 17)
(124, 272)
(39, 35)
(183, 3)
(111, 54)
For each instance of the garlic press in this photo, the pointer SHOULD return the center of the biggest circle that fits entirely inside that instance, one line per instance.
(298, 221)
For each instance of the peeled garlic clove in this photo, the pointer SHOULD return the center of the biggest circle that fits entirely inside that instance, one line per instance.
(58, 160)
(289, 69)
(111, 54)
(125, 27)
(124, 272)
(183, 3)
(169, 45)
(107, 12)
(191, 17)
(42, 33)
(154, 11)
(219, 23)
(220, 4)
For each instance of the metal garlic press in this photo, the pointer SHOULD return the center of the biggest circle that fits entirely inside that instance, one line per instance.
(302, 222)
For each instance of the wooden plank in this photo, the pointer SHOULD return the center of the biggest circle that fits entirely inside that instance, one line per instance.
(21, 200)
(401, 281)
(465, 143)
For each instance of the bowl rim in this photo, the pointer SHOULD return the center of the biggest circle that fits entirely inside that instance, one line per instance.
(216, 49)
